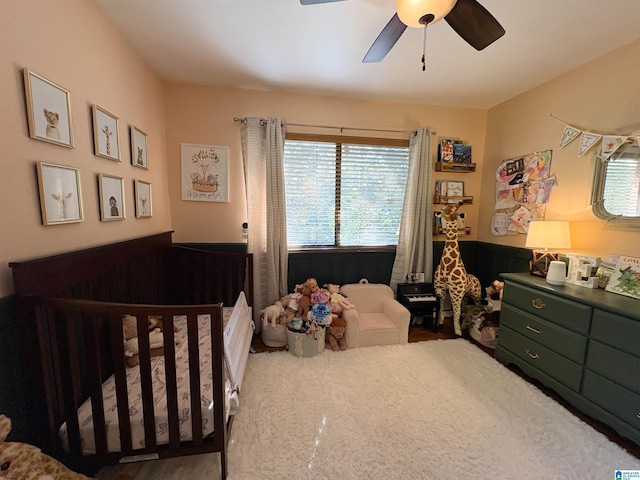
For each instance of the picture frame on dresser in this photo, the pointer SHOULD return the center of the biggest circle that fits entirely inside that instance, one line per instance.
(111, 195)
(139, 154)
(48, 110)
(60, 194)
(106, 137)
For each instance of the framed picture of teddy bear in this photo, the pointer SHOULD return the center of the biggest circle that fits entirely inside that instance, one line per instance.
(48, 110)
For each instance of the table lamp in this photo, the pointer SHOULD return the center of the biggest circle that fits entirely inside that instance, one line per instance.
(546, 235)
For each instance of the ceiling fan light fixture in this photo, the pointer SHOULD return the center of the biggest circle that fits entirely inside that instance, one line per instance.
(411, 12)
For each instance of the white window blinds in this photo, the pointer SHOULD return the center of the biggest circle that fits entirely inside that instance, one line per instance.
(344, 193)
(622, 184)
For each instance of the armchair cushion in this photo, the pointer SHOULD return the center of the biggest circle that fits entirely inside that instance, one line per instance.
(377, 319)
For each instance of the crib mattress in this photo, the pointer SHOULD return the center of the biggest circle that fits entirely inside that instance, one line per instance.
(237, 336)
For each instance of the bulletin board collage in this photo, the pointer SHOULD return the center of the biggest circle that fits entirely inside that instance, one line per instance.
(523, 189)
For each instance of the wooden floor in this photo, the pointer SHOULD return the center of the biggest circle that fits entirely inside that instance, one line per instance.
(423, 333)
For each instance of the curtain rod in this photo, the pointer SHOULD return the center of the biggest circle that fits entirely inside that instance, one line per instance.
(244, 119)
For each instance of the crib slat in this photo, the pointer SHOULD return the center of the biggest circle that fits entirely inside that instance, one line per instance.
(146, 384)
(120, 379)
(94, 379)
(70, 377)
(194, 378)
(171, 381)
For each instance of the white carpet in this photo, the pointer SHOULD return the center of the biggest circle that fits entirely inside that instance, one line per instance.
(429, 410)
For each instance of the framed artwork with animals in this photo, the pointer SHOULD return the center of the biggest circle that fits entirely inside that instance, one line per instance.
(60, 194)
(138, 148)
(142, 192)
(106, 140)
(111, 191)
(48, 110)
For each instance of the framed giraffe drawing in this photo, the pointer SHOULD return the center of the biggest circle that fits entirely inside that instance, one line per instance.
(106, 139)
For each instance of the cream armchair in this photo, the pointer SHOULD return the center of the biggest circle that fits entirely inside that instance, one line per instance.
(377, 318)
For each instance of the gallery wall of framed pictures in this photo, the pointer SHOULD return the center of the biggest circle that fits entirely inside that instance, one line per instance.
(48, 107)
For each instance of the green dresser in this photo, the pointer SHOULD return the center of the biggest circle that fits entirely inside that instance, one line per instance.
(582, 343)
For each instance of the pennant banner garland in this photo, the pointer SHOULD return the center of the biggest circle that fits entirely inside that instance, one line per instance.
(587, 141)
(610, 143)
(569, 135)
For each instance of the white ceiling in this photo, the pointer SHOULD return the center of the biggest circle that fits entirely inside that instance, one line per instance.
(280, 45)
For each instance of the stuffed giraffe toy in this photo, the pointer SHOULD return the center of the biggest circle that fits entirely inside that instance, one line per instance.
(450, 275)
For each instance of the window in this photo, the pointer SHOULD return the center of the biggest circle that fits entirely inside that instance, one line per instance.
(616, 187)
(344, 191)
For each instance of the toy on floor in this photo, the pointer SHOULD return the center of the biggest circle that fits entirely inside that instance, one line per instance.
(450, 275)
(335, 334)
(271, 314)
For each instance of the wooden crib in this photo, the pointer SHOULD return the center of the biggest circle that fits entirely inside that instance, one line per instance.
(73, 305)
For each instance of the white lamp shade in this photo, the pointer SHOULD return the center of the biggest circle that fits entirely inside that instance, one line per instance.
(411, 11)
(548, 234)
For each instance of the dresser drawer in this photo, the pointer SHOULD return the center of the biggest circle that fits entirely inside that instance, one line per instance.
(565, 342)
(620, 332)
(617, 366)
(541, 357)
(566, 313)
(617, 400)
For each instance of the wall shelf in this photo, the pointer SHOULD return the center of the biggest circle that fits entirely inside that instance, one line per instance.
(444, 199)
(461, 231)
(455, 167)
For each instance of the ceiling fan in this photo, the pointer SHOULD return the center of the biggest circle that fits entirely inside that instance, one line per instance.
(468, 18)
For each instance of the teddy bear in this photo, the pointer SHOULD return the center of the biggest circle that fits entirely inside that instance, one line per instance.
(21, 461)
(335, 334)
(290, 305)
(312, 283)
(304, 302)
(130, 335)
(337, 301)
(271, 314)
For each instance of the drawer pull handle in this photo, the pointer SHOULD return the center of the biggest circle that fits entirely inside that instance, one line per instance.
(532, 355)
(534, 330)
(538, 303)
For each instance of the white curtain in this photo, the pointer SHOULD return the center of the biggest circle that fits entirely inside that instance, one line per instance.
(262, 155)
(414, 253)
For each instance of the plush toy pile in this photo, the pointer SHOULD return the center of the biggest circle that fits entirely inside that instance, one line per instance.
(310, 308)
(484, 322)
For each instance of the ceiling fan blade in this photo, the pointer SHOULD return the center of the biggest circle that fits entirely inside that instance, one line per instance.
(474, 24)
(313, 2)
(386, 40)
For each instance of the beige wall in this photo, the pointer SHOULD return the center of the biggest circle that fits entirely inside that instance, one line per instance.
(69, 43)
(204, 115)
(601, 96)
